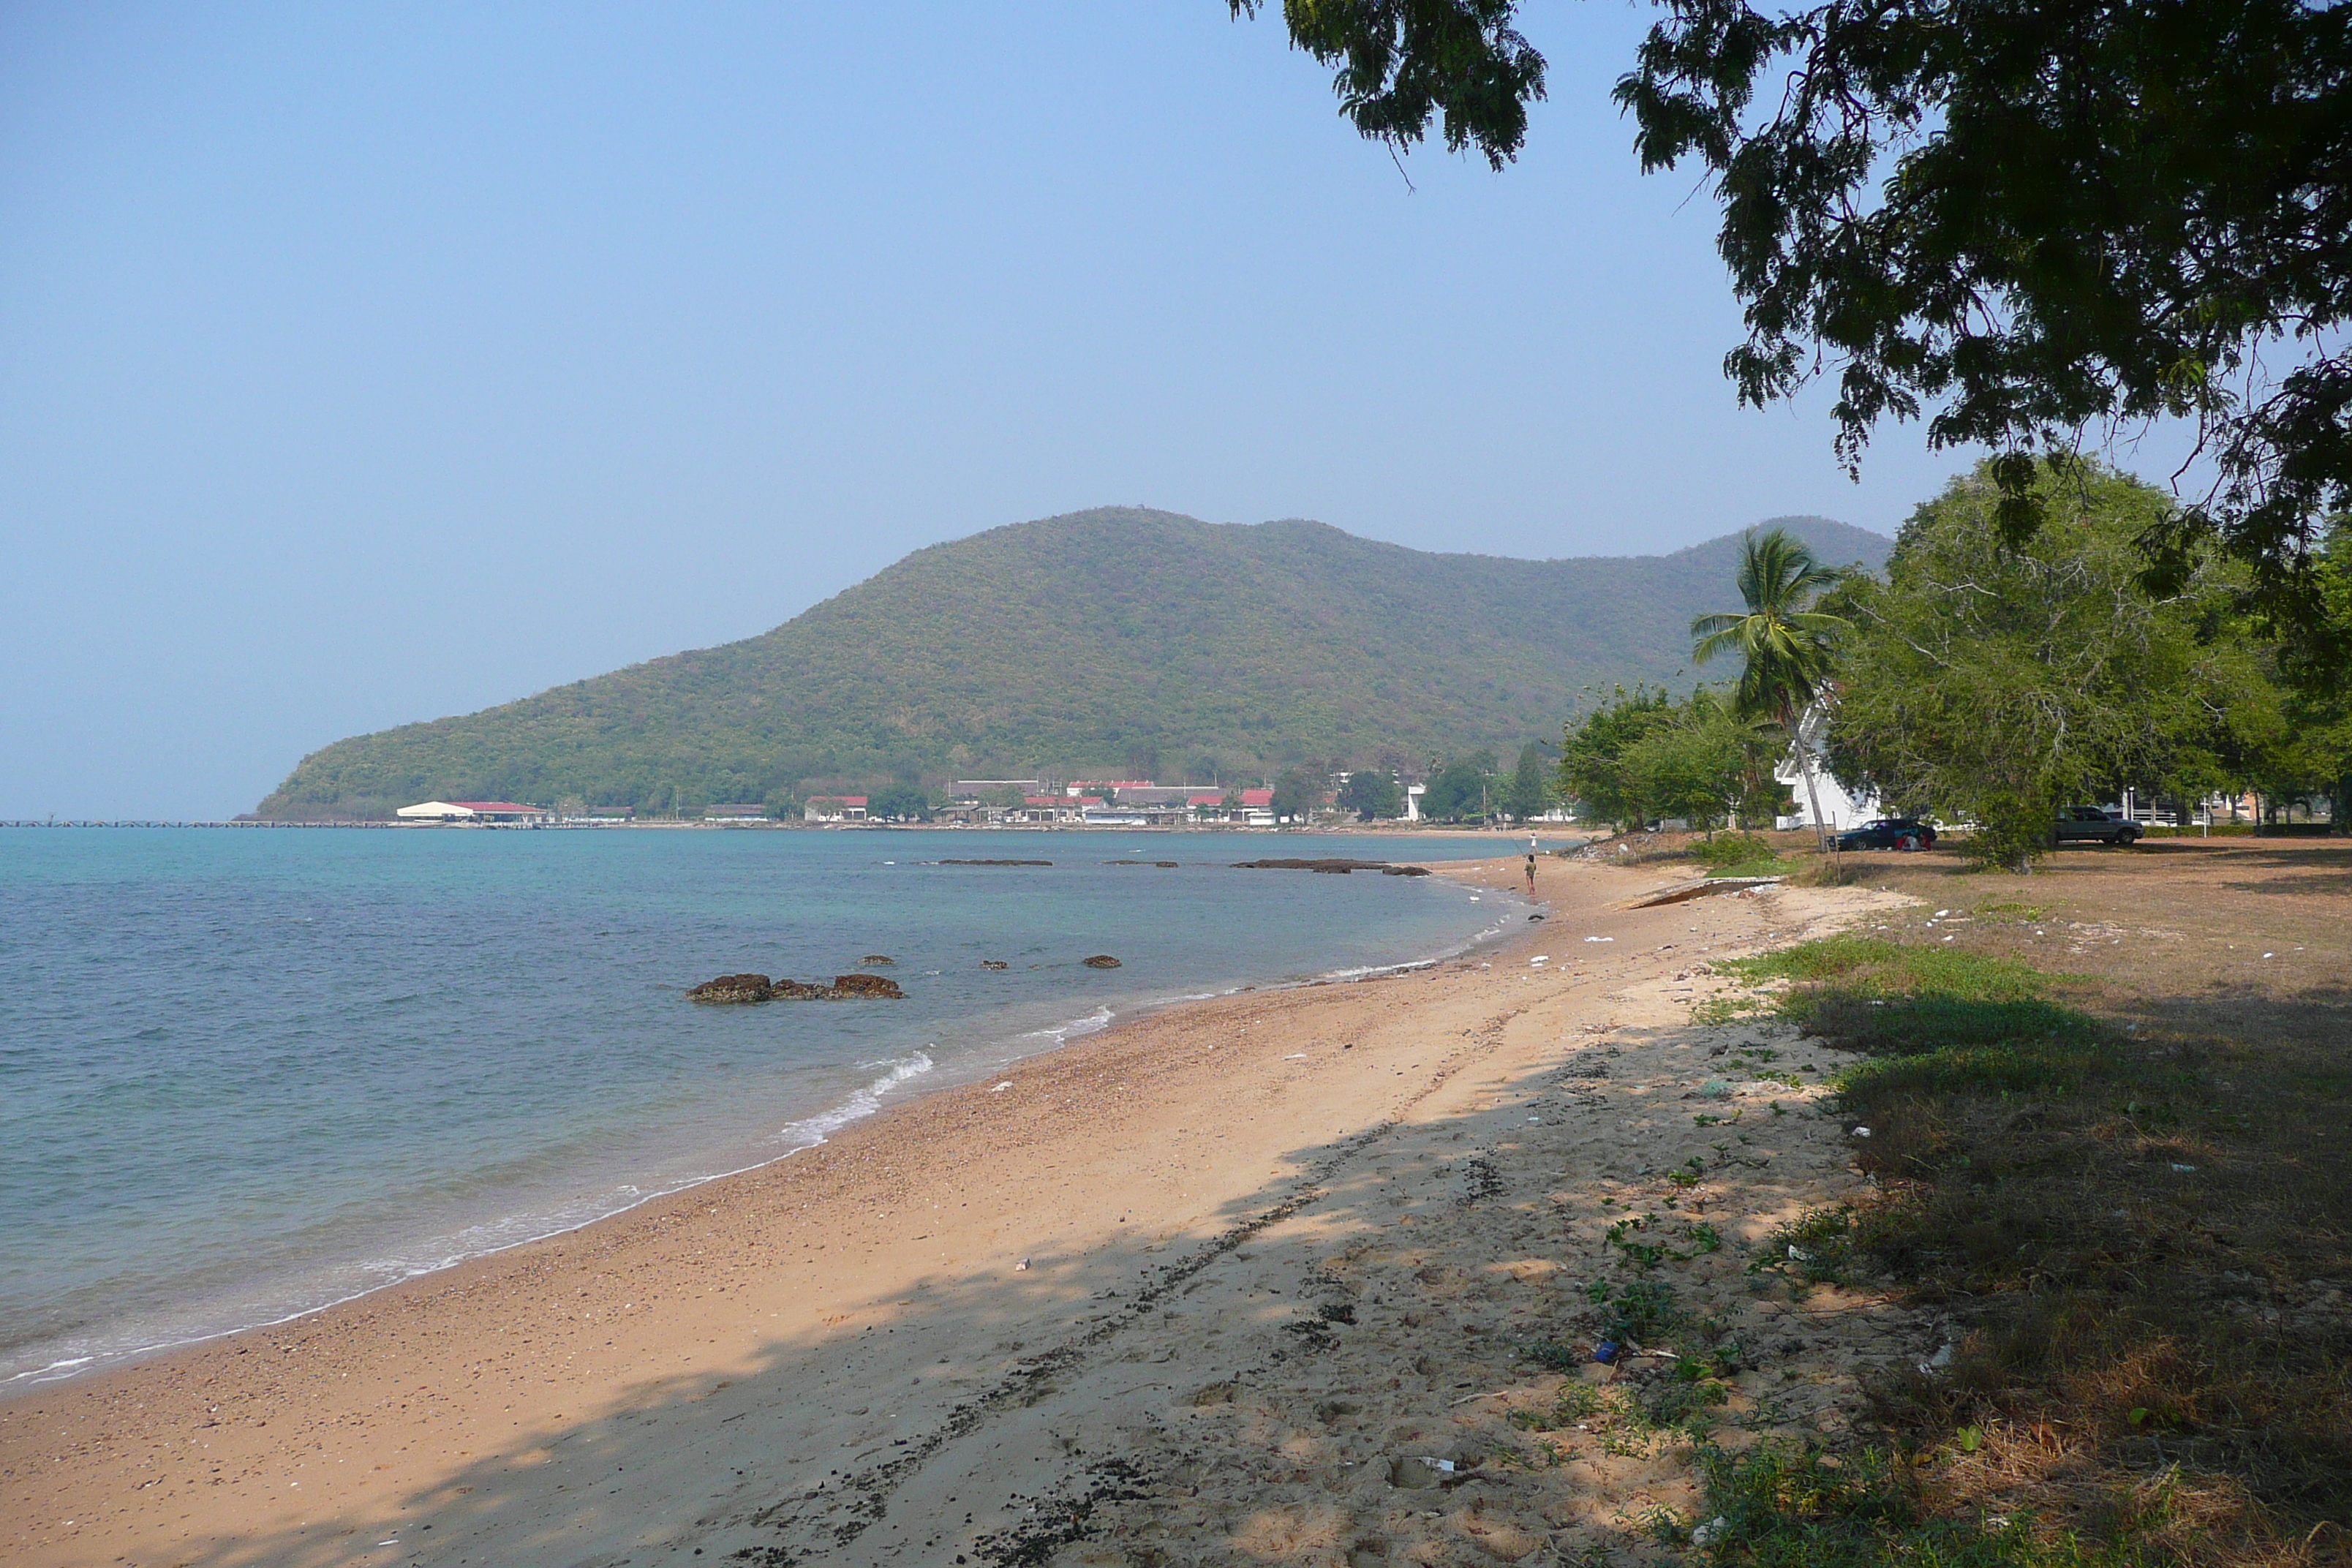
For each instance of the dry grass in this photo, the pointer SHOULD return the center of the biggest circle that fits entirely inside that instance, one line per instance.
(2126, 1182)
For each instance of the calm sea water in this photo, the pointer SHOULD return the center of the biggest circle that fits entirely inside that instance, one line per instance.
(244, 1074)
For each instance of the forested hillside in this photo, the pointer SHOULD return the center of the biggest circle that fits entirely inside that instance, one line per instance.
(1136, 641)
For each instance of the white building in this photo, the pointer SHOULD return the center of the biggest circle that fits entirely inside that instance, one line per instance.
(1840, 810)
(488, 812)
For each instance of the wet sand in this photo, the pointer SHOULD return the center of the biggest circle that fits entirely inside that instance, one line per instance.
(1065, 1316)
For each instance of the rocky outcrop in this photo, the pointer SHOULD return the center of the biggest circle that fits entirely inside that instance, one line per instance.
(873, 959)
(730, 989)
(1332, 867)
(733, 988)
(866, 985)
(1100, 960)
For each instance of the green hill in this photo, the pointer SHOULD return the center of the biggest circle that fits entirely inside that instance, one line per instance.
(1140, 642)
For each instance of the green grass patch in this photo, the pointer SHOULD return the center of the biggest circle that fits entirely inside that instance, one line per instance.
(1816, 1247)
(1931, 1019)
(1785, 1505)
(1713, 1012)
(2121, 1236)
(1873, 966)
(1732, 849)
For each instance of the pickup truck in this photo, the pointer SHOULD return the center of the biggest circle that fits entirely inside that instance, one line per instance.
(2090, 824)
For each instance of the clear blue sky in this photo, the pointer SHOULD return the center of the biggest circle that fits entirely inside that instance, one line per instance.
(360, 365)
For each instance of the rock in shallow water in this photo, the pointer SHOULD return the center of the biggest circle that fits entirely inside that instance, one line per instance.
(737, 988)
(1101, 961)
(866, 985)
(733, 988)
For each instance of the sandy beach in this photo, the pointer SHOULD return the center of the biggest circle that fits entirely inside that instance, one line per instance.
(1212, 1285)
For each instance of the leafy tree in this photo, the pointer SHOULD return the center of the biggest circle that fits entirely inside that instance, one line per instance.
(2023, 223)
(1999, 684)
(1296, 794)
(900, 803)
(1399, 62)
(1688, 771)
(1643, 755)
(2317, 705)
(1592, 769)
(1784, 644)
(1706, 765)
(1462, 790)
(1372, 794)
(1529, 795)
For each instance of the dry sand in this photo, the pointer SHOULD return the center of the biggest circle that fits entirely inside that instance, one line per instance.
(1205, 1288)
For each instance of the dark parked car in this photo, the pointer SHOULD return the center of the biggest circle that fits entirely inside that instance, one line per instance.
(1889, 832)
(2089, 824)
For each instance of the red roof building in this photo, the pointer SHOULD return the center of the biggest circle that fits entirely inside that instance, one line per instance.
(833, 808)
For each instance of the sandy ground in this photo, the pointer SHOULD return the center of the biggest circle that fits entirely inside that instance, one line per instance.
(1206, 1288)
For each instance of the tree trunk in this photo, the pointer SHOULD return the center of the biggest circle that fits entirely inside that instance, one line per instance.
(1805, 767)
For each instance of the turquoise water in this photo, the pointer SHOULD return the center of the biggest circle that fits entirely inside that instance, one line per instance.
(246, 1073)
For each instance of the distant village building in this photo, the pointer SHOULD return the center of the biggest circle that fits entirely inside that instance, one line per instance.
(737, 811)
(980, 789)
(484, 813)
(1043, 810)
(1250, 808)
(835, 808)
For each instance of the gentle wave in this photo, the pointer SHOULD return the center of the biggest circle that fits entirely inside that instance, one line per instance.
(497, 1236)
(810, 1131)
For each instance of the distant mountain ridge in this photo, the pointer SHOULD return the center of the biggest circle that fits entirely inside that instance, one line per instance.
(1118, 638)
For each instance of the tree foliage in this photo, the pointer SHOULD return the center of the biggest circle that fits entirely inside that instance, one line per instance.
(1399, 63)
(1641, 756)
(1997, 684)
(1786, 644)
(1462, 790)
(1592, 769)
(2313, 756)
(2029, 225)
(1529, 794)
(1371, 795)
(1298, 793)
(899, 802)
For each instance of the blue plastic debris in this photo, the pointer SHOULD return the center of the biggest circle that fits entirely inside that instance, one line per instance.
(1604, 1352)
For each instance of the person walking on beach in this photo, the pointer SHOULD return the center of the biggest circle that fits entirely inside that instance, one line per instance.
(1531, 868)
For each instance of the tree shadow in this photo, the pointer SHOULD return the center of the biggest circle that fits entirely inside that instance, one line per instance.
(1329, 1320)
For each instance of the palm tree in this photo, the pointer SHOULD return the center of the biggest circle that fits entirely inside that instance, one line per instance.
(1786, 644)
